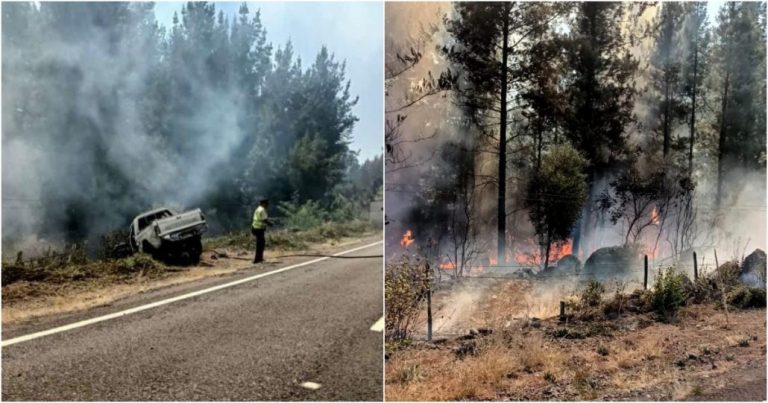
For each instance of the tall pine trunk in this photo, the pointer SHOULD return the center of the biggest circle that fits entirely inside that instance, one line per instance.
(666, 110)
(502, 211)
(721, 145)
(693, 104)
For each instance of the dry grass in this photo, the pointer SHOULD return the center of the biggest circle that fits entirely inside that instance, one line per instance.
(634, 358)
(443, 376)
(27, 300)
(24, 300)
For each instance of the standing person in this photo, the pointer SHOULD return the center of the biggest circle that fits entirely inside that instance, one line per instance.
(258, 228)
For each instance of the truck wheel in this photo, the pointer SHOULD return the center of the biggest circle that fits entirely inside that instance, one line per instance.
(147, 248)
(195, 250)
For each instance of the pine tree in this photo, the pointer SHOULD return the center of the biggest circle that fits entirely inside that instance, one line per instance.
(695, 41)
(665, 74)
(490, 37)
(601, 94)
(739, 52)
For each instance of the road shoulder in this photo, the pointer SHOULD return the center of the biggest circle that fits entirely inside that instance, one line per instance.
(45, 313)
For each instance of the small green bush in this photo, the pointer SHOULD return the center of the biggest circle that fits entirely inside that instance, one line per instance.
(302, 216)
(747, 297)
(406, 283)
(343, 209)
(409, 374)
(728, 274)
(668, 294)
(592, 296)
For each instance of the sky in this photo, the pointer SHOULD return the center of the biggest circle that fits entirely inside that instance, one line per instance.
(353, 31)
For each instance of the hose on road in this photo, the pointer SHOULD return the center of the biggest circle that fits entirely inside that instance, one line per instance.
(317, 255)
(333, 256)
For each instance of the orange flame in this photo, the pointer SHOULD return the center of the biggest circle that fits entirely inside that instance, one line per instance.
(654, 216)
(447, 266)
(530, 253)
(407, 239)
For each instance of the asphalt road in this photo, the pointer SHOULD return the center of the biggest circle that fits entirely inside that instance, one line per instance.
(260, 340)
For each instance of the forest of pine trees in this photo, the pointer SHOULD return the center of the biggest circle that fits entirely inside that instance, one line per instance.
(107, 113)
(660, 106)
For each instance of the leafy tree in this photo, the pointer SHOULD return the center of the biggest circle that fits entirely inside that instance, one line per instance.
(556, 194)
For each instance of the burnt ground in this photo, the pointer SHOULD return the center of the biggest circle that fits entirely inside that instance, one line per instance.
(698, 357)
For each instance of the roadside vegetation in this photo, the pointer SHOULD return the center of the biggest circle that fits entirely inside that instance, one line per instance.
(612, 344)
(77, 270)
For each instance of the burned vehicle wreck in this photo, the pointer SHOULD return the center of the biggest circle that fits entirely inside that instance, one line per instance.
(169, 236)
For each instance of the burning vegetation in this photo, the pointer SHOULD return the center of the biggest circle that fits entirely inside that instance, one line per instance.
(596, 150)
(558, 143)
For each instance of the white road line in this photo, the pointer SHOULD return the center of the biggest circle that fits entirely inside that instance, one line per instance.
(91, 321)
(310, 385)
(379, 325)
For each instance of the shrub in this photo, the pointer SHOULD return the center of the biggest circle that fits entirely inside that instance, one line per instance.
(405, 285)
(592, 295)
(114, 245)
(747, 297)
(343, 209)
(50, 266)
(140, 262)
(298, 216)
(668, 294)
(728, 274)
(408, 374)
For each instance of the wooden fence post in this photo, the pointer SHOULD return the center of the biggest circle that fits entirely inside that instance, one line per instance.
(695, 267)
(429, 304)
(645, 277)
(562, 311)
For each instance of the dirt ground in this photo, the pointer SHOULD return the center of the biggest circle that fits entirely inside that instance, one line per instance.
(632, 357)
(37, 299)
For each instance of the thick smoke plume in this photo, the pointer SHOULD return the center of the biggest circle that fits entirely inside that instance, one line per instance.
(436, 121)
(106, 114)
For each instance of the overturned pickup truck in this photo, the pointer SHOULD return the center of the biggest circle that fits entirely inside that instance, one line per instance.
(169, 236)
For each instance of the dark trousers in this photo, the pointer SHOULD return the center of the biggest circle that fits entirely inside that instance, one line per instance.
(260, 244)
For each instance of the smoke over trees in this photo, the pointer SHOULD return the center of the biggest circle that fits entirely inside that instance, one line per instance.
(107, 113)
(665, 103)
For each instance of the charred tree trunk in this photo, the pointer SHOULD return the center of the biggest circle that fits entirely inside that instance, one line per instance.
(502, 212)
(666, 125)
(580, 229)
(546, 252)
(693, 104)
(539, 145)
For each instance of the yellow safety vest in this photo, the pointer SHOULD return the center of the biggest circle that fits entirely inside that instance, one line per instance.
(259, 218)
